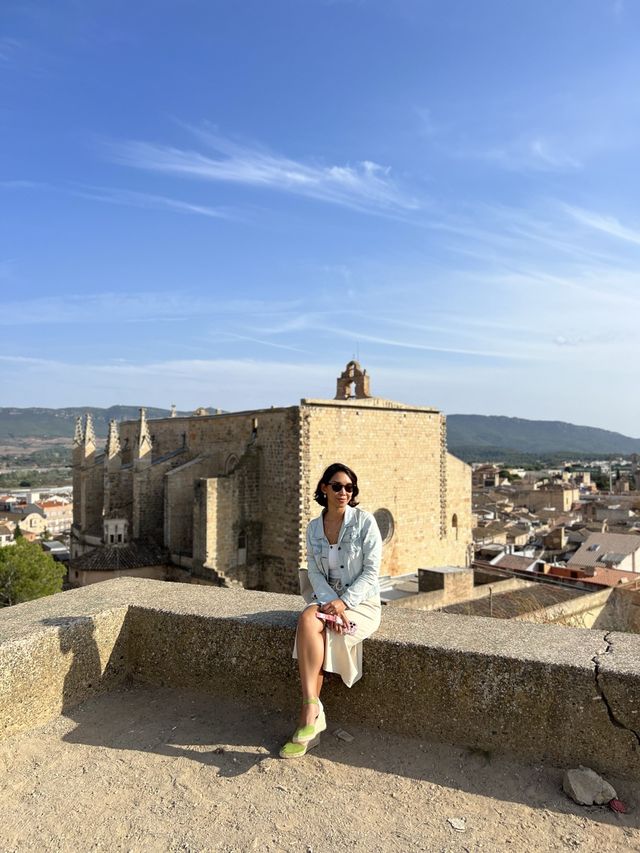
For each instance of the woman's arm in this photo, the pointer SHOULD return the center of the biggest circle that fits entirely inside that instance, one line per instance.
(323, 591)
(365, 584)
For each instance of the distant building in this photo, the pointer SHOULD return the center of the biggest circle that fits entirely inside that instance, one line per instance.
(31, 523)
(560, 497)
(6, 535)
(619, 551)
(485, 476)
(58, 515)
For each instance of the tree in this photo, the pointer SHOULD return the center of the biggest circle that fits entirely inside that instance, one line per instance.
(26, 572)
(17, 533)
(601, 480)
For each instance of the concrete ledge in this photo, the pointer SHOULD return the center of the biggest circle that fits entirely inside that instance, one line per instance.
(538, 691)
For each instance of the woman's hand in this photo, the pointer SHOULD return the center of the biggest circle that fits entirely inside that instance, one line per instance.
(337, 607)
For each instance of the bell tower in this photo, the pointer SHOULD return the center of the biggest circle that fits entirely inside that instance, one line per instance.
(353, 377)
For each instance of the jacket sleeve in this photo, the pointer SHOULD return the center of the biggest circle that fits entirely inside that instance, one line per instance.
(323, 592)
(365, 584)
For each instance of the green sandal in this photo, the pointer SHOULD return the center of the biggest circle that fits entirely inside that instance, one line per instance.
(307, 733)
(297, 750)
(306, 737)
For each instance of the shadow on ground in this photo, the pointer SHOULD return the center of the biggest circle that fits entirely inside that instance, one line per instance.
(219, 733)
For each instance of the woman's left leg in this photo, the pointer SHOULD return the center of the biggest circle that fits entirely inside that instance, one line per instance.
(310, 648)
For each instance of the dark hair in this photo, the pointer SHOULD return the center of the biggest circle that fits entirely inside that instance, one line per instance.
(320, 496)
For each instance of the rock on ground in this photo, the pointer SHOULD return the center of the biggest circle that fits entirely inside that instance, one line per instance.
(587, 788)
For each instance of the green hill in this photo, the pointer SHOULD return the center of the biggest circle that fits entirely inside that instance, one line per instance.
(60, 423)
(486, 435)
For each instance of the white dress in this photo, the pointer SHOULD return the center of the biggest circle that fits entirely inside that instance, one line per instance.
(343, 652)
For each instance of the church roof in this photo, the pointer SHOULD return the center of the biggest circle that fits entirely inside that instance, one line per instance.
(108, 558)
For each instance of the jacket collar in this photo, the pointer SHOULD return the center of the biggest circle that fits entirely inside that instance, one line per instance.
(349, 518)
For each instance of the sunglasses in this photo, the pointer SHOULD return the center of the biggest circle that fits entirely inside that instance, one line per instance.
(338, 487)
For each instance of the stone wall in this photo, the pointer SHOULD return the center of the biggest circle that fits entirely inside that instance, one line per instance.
(584, 611)
(398, 456)
(456, 548)
(179, 505)
(148, 498)
(118, 495)
(84, 577)
(88, 491)
(268, 498)
(456, 592)
(536, 691)
(621, 611)
(204, 515)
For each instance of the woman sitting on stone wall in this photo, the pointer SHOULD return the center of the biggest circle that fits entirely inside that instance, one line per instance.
(344, 549)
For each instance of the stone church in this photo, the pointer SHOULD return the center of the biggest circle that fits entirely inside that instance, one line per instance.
(225, 498)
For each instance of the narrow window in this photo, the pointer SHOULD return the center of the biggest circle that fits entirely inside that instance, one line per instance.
(242, 548)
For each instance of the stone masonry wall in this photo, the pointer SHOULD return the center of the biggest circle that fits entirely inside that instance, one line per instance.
(179, 497)
(118, 495)
(204, 513)
(148, 500)
(92, 498)
(397, 455)
(179, 503)
(279, 440)
(277, 437)
(458, 502)
(536, 691)
(239, 513)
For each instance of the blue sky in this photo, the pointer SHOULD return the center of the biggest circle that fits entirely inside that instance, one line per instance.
(221, 203)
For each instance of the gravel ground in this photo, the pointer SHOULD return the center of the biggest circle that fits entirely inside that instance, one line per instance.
(146, 769)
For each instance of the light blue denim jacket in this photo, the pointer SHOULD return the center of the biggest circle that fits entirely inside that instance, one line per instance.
(360, 546)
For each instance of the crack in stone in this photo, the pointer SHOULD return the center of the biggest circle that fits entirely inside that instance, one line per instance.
(599, 687)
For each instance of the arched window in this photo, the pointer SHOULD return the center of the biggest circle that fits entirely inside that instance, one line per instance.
(231, 463)
(386, 524)
(454, 524)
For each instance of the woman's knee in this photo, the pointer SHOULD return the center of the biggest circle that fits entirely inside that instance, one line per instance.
(307, 621)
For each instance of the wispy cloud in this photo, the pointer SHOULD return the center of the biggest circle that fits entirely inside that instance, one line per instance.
(135, 307)
(546, 156)
(412, 345)
(527, 154)
(127, 198)
(264, 343)
(148, 201)
(365, 186)
(605, 224)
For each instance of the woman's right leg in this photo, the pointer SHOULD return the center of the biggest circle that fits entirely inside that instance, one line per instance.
(310, 648)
